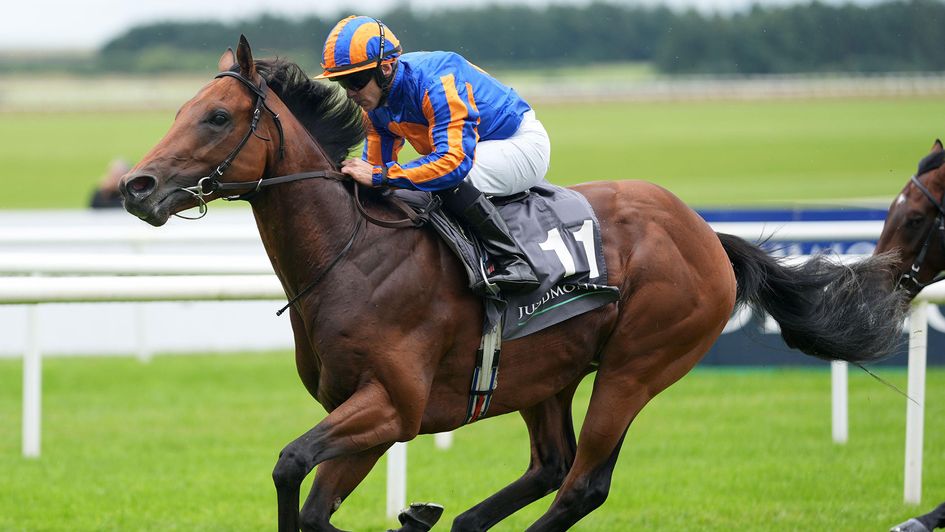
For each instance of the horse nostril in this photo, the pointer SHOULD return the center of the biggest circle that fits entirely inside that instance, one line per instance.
(141, 186)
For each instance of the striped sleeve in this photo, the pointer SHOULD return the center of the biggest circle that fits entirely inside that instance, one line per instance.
(453, 117)
(380, 145)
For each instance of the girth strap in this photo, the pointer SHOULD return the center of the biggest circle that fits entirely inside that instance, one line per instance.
(485, 377)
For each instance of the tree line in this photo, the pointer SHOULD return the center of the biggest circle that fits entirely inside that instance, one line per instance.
(897, 35)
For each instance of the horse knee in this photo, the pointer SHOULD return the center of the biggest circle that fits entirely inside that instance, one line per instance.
(551, 476)
(586, 496)
(596, 495)
(289, 471)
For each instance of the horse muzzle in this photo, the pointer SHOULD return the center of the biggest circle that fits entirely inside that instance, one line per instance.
(138, 187)
(142, 200)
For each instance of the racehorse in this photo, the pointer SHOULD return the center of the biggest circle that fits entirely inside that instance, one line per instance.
(915, 225)
(386, 329)
(915, 230)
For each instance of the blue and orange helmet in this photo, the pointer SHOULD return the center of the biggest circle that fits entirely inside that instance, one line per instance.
(357, 43)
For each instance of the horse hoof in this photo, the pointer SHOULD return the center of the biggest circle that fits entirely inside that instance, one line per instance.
(419, 517)
(912, 525)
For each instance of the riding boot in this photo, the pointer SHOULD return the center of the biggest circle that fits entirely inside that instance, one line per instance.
(512, 272)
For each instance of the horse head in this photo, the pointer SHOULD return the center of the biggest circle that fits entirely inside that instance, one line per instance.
(212, 135)
(915, 225)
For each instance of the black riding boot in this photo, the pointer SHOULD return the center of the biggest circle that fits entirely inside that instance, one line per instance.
(512, 272)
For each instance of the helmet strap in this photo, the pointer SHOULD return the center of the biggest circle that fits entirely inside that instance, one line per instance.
(384, 82)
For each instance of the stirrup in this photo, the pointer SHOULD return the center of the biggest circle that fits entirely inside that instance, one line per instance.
(487, 286)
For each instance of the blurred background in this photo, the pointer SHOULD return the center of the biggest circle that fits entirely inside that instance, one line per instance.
(790, 102)
(772, 111)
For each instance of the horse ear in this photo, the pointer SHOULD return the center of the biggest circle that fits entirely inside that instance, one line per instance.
(937, 147)
(227, 60)
(244, 56)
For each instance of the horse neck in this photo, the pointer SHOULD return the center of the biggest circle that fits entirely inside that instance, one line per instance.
(303, 224)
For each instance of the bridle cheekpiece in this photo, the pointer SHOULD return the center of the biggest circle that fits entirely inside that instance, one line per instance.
(211, 183)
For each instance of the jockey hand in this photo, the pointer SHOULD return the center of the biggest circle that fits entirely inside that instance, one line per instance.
(359, 170)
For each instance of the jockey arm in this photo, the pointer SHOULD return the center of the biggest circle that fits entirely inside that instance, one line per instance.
(380, 145)
(453, 119)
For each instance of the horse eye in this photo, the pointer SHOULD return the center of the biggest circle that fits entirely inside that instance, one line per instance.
(914, 221)
(218, 118)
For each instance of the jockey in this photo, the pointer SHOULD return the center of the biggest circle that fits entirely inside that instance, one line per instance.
(475, 135)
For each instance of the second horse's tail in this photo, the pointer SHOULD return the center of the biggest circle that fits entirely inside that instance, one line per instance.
(825, 309)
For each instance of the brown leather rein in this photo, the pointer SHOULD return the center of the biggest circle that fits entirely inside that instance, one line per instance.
(413, 219)
(209, 184)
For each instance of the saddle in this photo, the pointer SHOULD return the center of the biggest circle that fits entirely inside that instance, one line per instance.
(560, 235)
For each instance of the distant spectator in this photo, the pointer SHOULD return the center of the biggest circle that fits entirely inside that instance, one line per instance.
(923, 523)
(106, 193)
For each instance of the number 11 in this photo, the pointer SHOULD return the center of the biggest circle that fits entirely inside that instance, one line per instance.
(584, 235)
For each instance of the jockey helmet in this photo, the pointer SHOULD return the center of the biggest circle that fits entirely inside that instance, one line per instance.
(358, 43)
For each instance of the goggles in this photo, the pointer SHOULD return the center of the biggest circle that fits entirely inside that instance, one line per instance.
(355, 81)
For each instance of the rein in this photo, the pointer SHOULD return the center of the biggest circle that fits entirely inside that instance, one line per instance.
(211, 183)
(912, 276)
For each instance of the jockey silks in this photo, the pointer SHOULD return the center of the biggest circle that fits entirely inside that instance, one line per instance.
(443, 105)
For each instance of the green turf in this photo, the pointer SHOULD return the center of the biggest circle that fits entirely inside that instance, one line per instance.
(188, 443)
(715, 153)
(709, 153)
(53, 160)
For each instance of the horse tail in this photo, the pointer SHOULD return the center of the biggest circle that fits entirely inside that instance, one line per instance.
(828, 310)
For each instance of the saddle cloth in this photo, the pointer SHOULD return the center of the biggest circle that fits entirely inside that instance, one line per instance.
(560, 235)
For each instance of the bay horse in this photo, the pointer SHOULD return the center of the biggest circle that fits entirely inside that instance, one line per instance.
(915, 231)
(386, 329)
(915, 226)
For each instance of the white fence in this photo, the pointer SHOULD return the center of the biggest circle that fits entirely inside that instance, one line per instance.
(113, 242)
(217, 277)
(37, 93)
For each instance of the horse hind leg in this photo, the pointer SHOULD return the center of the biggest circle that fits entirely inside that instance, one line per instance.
(623, 386)
(551, 432)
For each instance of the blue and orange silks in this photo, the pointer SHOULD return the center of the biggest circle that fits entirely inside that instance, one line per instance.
(443, 105)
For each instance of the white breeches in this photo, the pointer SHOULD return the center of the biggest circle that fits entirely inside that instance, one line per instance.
(509, 166)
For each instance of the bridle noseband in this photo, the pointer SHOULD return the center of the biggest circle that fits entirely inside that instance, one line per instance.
(912, 276)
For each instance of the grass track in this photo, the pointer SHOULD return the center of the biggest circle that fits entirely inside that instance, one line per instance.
(709, 153)
(188, 443)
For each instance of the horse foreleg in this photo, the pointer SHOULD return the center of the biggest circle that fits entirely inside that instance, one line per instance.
(335, 479)
(551, 432)
(368, 419)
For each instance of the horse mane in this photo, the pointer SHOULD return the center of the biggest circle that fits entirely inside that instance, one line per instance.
(334, 121)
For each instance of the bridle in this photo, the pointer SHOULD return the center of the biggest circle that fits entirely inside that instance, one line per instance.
(912, 276)
(211, 183)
